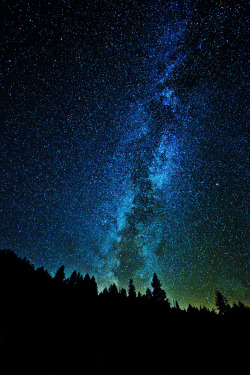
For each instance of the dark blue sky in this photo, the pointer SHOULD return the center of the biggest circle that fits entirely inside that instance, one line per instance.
(124, 142)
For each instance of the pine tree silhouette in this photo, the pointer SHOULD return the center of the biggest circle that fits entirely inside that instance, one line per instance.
(131, 291)
(159, 295)
(148, 295)
(221, 303)
(60, 275)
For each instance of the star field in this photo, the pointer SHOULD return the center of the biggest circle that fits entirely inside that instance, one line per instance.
(124, 146)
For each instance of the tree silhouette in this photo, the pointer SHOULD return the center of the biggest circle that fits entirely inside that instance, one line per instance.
(221, 303)
(72, 280)
(60, 275)
(89, 287)
(177, 306)
(93, 287)
(192, 309)
(148, 295)
(159, 295)
(123, 293)
(104, 294)
(131, 291)
(113, 291)
(44, 274)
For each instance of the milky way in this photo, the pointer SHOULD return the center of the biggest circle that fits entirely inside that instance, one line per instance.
(124, 142)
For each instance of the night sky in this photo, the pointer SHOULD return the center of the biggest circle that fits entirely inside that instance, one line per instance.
(124, 146)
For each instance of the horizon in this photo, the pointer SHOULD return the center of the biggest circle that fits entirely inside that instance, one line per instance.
(100, 289)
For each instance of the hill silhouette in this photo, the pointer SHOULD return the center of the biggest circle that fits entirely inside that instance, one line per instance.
(63, 326)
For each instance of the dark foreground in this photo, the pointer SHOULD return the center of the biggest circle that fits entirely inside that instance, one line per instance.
(45, 328)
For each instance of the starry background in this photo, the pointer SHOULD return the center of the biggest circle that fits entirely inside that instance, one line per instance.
(124, 142)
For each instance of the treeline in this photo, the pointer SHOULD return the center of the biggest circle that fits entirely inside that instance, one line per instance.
(21, 277)
(58, 325)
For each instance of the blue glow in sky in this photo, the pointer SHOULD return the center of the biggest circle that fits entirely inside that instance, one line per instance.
(124, 147)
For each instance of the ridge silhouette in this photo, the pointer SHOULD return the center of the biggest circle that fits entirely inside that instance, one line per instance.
(63, 326)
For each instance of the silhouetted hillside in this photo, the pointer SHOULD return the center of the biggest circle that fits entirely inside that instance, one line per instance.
(62, 326)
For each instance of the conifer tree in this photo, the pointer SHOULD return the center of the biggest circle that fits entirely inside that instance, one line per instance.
(177, 306)
(159, 295)
(148, 295)
(60, 275)
(72, 280)
(221, 303)
(131, 290)
(93, 287)
(113, 291)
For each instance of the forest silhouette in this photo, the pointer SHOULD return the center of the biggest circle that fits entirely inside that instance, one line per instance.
(58, 325)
